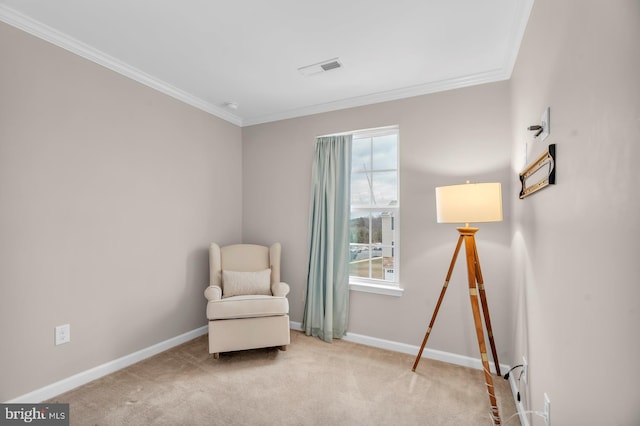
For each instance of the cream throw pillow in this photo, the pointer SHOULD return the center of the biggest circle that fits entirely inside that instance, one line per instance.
(235, 283)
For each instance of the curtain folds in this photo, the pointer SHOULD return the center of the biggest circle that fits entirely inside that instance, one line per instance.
(326, 311)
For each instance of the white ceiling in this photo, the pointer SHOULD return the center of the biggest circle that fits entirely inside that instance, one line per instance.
(209, 52)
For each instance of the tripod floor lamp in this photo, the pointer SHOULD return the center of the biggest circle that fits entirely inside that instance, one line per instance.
(470, 203)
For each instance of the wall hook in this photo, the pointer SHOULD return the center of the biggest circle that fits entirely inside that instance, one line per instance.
(543, 128)
(536, 128)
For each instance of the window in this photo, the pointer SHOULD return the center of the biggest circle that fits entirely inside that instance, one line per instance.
(374, 222)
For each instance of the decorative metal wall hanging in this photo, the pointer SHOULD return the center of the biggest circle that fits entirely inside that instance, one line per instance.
(542, 179)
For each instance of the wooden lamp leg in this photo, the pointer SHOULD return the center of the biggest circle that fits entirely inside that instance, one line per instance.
(435, 312)
(475, 307)
(485, 309)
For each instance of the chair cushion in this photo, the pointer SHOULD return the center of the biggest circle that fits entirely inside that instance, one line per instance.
(247, 307)
(236, 283)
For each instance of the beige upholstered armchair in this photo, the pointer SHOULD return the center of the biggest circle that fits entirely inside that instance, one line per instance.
(248, 306)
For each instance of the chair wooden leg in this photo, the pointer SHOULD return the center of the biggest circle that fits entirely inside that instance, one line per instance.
(283, 347)
(216, 355)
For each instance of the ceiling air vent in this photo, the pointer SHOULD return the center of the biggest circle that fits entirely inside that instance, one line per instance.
(331, 65)
(320, 67)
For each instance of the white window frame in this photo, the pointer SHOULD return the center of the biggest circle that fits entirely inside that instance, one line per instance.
(372, 285)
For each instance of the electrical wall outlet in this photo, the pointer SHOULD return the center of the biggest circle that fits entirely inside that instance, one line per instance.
(63, 334)
(525, 370)
(547, 410)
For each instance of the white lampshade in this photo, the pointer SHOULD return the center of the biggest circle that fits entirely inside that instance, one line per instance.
(469, 203)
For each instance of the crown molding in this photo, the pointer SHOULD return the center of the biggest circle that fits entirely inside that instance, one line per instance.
(51, 35)
(391, 95)
(517, 34)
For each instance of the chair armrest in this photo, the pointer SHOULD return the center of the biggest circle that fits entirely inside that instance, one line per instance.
(213, 292)
(280, 289)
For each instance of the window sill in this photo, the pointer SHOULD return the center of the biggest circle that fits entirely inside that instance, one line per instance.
(377, 289)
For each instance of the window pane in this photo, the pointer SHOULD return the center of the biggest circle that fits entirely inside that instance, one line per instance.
(388, 266)
(359, 268)
(382, 228)
(384, 251)
(361, 154)
(388, 232)
(376, 268)
(360, 189)
(385, 188)
(385, 152)
(359, 228)
(376, 228)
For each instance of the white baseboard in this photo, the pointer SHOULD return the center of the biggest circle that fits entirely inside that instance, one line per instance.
(87, 376)
(404, 348)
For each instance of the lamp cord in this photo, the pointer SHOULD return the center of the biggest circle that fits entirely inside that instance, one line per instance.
(537, 413)
(506, 376)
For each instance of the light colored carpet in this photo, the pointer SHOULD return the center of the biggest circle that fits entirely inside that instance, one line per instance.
(312, 383)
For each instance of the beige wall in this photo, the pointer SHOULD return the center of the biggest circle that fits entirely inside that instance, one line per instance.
(575, 245)
(445, 138)
(110, 193)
